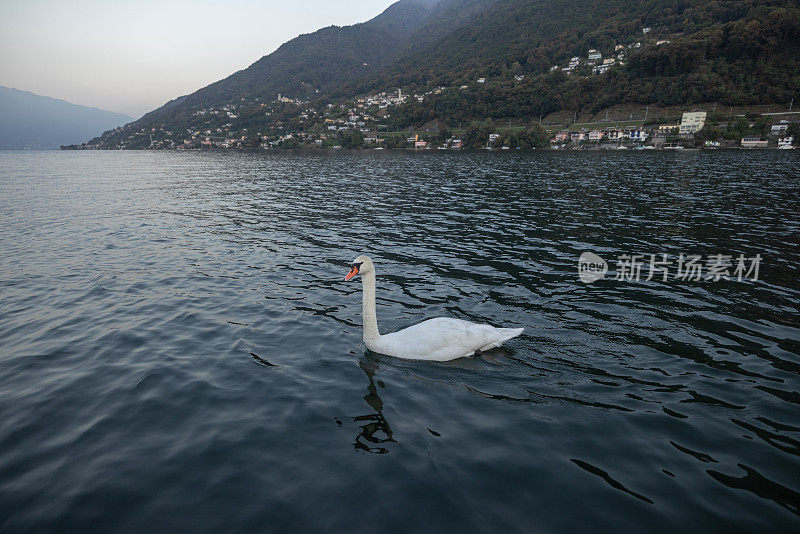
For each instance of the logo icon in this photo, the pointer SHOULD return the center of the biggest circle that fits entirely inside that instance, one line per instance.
(591, 267)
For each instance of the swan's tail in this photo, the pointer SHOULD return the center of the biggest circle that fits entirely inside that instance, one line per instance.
(509, 333)
(505, 335)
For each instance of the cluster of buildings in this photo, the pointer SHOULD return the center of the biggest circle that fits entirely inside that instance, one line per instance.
(595, 60)
(691, 123)
(286, 100)
(453, 143)
(601, 65)
(612, 135)
(228, 111)
(353, 120)
(778, 130)
(383, 99)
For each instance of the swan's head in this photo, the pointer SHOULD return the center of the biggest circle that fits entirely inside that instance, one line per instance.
(361, 265)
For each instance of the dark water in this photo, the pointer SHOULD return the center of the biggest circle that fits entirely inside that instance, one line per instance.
(178, 351)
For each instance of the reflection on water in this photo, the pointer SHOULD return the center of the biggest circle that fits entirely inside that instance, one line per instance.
(757, 484)
(610, 481)
(177, 348)
(375, 430)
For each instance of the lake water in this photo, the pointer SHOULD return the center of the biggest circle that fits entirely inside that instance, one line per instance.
(179, 353)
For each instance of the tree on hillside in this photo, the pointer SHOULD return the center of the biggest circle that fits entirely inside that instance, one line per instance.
(352, 138)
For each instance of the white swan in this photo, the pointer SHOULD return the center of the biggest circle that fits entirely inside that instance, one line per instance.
(439, 339)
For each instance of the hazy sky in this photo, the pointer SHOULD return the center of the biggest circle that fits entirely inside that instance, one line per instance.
(132, 56)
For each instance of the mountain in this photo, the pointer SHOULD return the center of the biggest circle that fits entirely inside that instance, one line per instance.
(38, 122)
(532, 57)
(315, 63)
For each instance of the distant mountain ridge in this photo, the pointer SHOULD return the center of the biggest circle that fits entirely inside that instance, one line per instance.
(28, 120)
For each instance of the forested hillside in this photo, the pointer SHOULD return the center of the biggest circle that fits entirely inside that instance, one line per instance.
(737, 52)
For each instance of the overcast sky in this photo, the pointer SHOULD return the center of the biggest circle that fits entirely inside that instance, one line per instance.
(133, 56)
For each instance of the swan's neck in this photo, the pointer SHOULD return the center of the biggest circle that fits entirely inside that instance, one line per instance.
(370, 318)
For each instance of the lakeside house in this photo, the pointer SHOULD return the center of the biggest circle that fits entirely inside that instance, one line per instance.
(780, 128)
(561, 136)
(786, 143)
(638, 135)
(753, 141)
(692, 122)
(596, 135)
(577, 137)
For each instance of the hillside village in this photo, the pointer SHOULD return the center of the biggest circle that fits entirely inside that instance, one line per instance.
(362, 124)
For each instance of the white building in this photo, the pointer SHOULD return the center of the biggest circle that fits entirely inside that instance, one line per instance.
(692, 122)
(753, 141)
(778, 129)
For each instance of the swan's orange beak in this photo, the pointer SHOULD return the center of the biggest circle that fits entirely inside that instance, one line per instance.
(352, 273)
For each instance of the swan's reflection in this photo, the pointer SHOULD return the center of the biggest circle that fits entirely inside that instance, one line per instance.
(375, 430)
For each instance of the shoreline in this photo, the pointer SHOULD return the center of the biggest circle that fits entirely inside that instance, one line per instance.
(420, 150)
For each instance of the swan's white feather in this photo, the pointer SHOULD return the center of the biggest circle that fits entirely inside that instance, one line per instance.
(441, 339)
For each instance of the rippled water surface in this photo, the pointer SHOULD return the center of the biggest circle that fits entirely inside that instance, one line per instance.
(178, 351)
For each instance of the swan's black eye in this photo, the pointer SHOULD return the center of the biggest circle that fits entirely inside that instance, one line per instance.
(358, 265)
